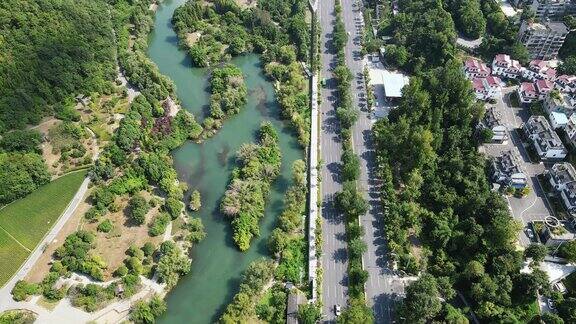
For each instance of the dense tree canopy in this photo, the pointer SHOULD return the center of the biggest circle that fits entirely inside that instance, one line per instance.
(435, 186)
(20, 174)
(52, 50)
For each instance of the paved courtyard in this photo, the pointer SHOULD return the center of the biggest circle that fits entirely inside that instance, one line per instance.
(535, 205)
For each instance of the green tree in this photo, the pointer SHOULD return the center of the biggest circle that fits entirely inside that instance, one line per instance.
(537, 252)
(309, 314)
(195, 201)
(20, 174)
(422, 300)
(24, 141)
(568, 251)
(551, 318)
(138, 208)
(470, 18)
(350, 201)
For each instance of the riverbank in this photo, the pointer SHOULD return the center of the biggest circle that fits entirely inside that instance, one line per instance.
(217, 265)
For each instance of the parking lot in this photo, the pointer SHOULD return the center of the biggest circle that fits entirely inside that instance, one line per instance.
(535, 205)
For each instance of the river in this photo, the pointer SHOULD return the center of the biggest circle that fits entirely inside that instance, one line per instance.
(201, 296)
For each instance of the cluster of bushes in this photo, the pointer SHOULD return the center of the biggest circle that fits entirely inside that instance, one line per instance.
(72, 256)
(228, 91)
(291, 88)
(287, 242)
(20, 174)
(22, 169)
(17, 317)
(172, 263)
(23, 141)
(242, 309)
(66, 139)
(272, 306)
(91, 297)
(281, 42)
(145, 312)
(245, 199)
(138, 262)
(138, 207)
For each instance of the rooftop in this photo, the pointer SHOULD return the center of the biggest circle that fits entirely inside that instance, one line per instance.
(393, 81)
(542, 133)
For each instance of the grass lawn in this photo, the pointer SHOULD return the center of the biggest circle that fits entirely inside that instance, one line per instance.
(12, 256)
(29, 218)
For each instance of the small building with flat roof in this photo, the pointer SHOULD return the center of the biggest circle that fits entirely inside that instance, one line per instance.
(393, 82)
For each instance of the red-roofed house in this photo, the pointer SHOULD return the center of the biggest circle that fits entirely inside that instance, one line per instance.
(543, 87)
(550, 74)
(566, 83)
(474, 68)
(538, 70)
(527, 92)
(486, 88)
(504, 66)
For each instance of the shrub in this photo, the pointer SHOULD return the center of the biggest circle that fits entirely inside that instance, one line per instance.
(173, 207)
(195, 201)
(138, 208)
(106, 226)
(159, 224)
(23, 289)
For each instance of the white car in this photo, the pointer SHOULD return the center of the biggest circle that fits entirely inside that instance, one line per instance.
(337, 310)
(530, 233)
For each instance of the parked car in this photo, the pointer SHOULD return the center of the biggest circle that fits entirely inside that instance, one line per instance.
(337, 310)
(551, 304)
(530, 233)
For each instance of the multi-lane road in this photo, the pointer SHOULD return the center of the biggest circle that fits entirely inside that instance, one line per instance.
(334, 256)
(382, 287)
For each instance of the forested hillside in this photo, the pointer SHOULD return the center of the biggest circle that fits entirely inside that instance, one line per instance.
(51, 50)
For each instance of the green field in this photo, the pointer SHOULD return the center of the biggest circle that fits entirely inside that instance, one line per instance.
(29, 218)
(12, 256)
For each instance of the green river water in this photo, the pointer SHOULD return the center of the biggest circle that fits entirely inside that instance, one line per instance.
(200, 297)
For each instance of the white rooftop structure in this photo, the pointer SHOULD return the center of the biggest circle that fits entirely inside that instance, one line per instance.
(393, 82)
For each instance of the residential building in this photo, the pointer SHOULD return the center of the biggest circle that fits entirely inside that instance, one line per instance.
(554, 236)
(527, 92)
(539, 70)
(504, 66)
(506, 171)
(556, 101)
(570, 129)
(544, 87)
(474, 68)
(493, 120)
(552, 9)
(544, 139)
(566, 83)
(486, 88)
(559, 106)
(543, 40)
(558, 119)
(562, 177)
